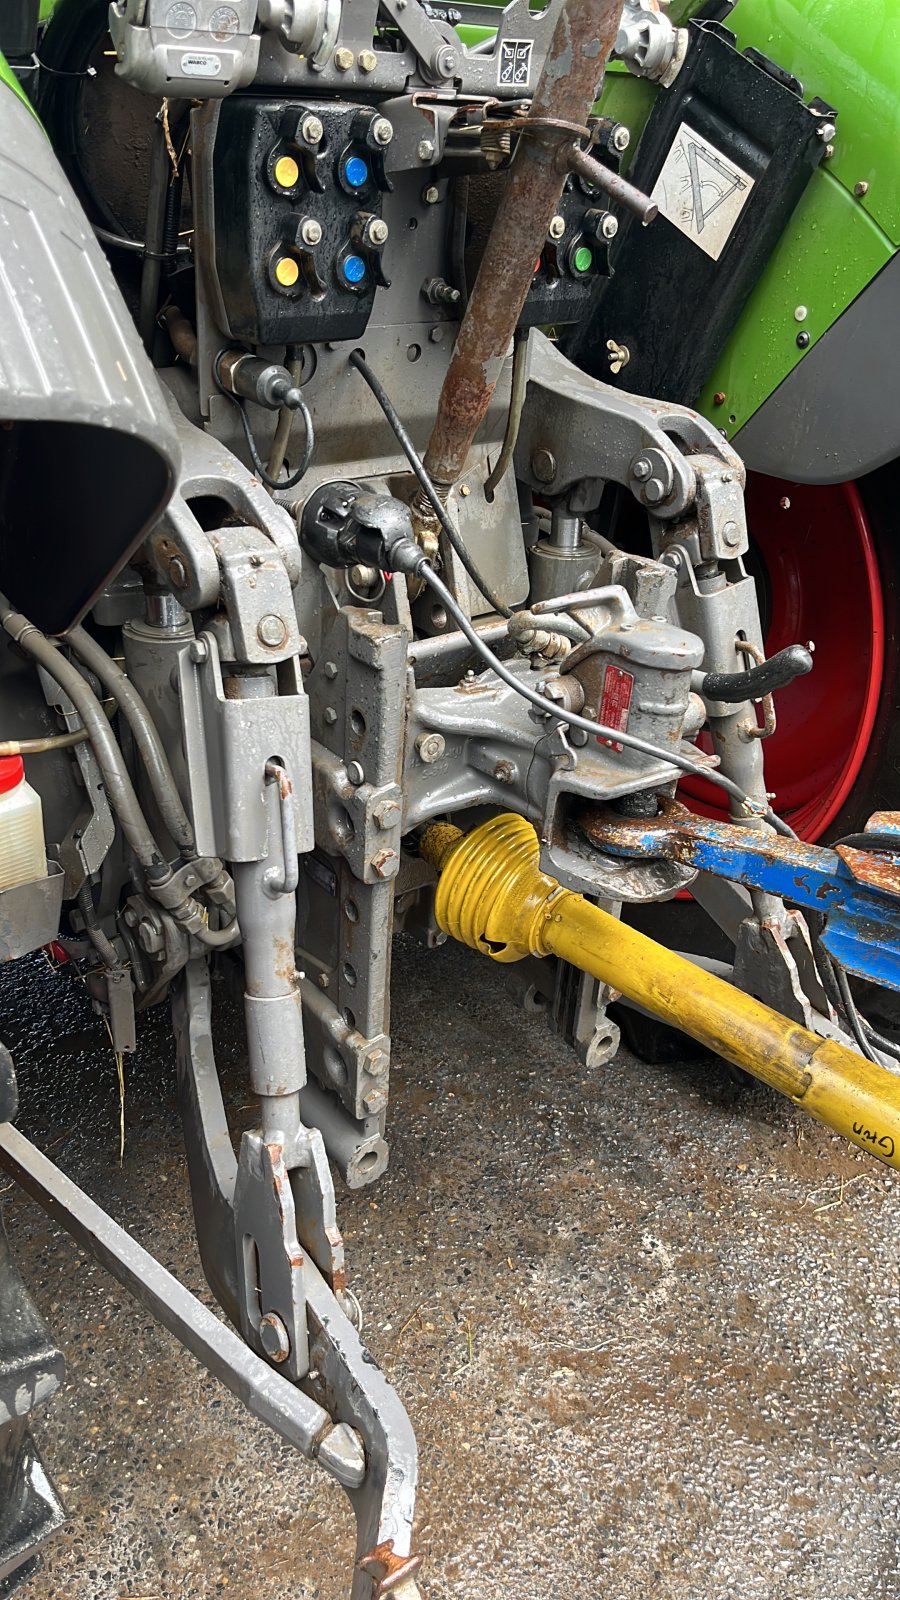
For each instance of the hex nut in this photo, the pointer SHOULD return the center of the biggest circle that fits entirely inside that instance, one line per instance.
(312, 130)
(621, 138)
(368, 60)
(641, 470)
(378, 231)
(273, 1337)
(375, 1100)
(430, 746)
(271, 631)
(344, 59)
(609, 227)
(425, 150)
(330, 716)
(311, 231)
(557, 227)
(431, 195)
(382, 130)
(376, 1062)
(330, 669)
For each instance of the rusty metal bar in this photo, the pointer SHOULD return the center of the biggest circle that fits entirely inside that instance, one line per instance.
(612, 184)
(581, 45)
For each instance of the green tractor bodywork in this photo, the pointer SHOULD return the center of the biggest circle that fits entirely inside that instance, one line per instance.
(845, 229)
(847, 225)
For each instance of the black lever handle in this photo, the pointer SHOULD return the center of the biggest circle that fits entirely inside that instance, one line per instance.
(776, 673)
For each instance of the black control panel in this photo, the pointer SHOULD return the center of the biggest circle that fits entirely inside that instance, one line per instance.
(299, 232)
(575, 255)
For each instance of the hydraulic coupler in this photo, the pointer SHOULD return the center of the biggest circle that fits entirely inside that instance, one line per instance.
(492, 895)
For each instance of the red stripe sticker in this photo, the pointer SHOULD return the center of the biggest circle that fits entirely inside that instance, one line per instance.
(615, 703)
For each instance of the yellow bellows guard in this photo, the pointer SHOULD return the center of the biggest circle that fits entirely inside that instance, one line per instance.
(492, 895)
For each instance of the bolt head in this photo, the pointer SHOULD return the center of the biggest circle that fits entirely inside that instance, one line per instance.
(311, 231)
(355, 773)
(330, 716)
(641, 470)
(430, 747)
(445, 61)
(312, 130)
(344, 59)
(387, 813)
(375, 1100)
(654, 491)
(177, 573)
(330, 669)
(425, 150)
(382, 131)
(620, 138)
(378, 231)
(274, 1337)
(385, 863)
(557, 227)
(271, 631)
(803, 341)
(861, 188)
(543, 465)
(826, 131)
(376, 1062)
(198, 651)
(609, 227)
(431, 195)
(368, 60)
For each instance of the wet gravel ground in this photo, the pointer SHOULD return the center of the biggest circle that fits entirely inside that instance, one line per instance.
(645, 1321)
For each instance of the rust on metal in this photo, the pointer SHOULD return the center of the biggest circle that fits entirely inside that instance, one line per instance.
(612, 184)
(873, 867)
(579, 49)
(388, 1569)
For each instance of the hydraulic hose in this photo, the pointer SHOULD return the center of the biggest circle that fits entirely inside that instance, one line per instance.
(146, 736)
(492, 895)
(116, 776)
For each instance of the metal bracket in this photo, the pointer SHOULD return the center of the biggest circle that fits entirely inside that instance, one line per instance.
(234, 739)
(270, 1260)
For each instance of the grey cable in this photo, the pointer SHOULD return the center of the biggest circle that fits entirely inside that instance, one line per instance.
(358, 360)
(146, 737)
(597, 730)
(513, 416)
(116, 777)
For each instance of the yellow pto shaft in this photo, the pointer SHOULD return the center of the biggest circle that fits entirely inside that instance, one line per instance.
(492, 895)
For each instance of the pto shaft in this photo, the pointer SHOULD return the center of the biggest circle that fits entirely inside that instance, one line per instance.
(493, 896)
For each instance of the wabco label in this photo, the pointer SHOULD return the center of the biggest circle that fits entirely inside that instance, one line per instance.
(615, 703)
(514, 67)
(197, 64)
(701, 191)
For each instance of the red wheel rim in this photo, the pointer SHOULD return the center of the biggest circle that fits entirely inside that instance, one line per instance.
(813, 551)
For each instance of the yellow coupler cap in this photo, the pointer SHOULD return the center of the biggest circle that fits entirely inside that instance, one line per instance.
(492, 895)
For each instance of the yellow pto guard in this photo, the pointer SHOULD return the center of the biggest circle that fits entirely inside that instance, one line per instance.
(492, 895)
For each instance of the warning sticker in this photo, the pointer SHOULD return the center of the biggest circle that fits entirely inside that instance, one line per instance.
(615, 703)
(701, 191)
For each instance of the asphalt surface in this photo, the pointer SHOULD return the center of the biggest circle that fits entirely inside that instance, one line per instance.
(645, 1321)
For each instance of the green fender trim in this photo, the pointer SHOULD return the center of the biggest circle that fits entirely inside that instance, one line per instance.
(8, 77)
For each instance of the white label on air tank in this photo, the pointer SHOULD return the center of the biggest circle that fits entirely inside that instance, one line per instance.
(198, 64)
(701, 191)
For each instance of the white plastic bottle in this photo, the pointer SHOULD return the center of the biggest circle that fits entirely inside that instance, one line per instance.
(22, 854)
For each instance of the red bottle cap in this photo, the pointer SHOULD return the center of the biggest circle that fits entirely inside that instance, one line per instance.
(12, 773)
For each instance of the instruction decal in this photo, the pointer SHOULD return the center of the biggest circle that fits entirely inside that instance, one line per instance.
(701, 191)
(514, 68)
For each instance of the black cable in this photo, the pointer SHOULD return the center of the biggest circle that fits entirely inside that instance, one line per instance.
(870, 841)
(358, 360)
(597, 730)
(838, 991)
(276, 485)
